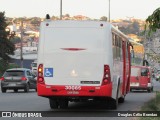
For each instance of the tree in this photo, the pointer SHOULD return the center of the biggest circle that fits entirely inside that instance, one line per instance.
(103, 18)
(67, 15)
(133, 28)
(54, 18)
(35, 21)
(6, 46)
(153, 21)
(15, 40)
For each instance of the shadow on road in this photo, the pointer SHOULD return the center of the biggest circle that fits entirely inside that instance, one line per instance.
(19, 91)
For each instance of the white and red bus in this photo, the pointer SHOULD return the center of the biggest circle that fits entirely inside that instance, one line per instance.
(82, 60)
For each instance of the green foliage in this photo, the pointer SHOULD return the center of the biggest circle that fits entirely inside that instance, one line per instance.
(6, 46)
(153, 21)
(3, 66)
(152, 105)
(12, 65)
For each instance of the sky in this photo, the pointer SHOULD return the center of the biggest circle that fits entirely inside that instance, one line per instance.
(119, 9)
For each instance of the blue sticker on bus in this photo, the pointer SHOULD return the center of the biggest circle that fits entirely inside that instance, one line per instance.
(48, 72)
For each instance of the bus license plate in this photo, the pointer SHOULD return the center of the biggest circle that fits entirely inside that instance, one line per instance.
(72, 92)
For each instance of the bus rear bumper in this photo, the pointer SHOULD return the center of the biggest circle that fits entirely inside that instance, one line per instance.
(89, 91)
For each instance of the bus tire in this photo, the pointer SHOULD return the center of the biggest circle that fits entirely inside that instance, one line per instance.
(63, 103)
(53, 104)
(121, 100)
(114, 102)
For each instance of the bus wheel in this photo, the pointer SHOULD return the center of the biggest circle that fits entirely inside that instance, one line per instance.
(121, 100)
(63, 103)
(114, 102)
(53, 104)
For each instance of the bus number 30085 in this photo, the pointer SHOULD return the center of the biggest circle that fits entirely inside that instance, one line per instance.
(69, 87)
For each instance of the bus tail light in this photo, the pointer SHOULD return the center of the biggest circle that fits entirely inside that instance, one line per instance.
(106, 75)
(40, 78)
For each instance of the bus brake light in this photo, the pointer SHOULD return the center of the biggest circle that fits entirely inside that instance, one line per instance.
(106, 76)
(40, 74)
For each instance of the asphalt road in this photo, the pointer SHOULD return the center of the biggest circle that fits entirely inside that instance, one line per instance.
(21, 101)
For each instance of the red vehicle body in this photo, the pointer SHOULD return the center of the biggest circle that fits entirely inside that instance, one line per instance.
(141, 78)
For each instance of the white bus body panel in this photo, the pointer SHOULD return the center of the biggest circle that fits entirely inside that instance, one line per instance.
(70, 67)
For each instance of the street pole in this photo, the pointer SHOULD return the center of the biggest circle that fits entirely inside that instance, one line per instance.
(21, 47)
(109, 11)
(60, 9)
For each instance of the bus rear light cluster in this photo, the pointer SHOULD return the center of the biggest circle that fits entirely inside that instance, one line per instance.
(106, 75)
(40, 74)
